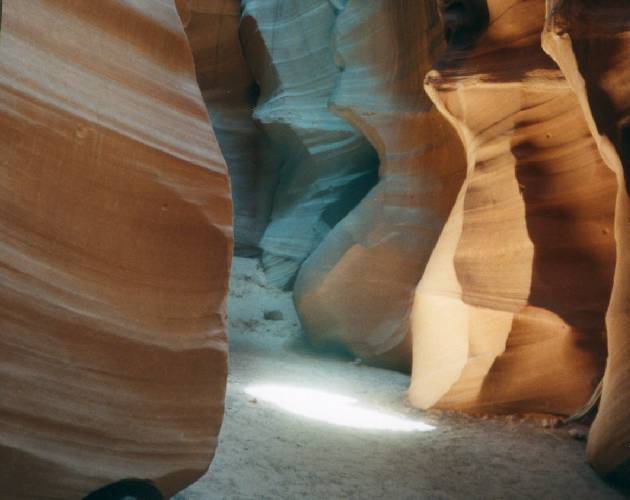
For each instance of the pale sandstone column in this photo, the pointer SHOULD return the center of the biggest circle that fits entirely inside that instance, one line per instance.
(522, 275)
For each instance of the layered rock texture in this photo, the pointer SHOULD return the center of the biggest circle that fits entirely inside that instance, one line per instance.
(590, 41)
(473, 230)
(115, 218)
(527, 260)
(356, 289)
(320, 166)
(522, 301)
(230, 94)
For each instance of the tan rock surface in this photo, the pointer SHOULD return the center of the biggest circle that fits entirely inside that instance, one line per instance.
(114, 255)
(590, 41)
(357, 287)
(522, 275)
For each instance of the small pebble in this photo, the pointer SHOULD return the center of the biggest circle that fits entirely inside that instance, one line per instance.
(274, 315)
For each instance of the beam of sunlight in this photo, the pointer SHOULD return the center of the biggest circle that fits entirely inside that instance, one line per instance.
(333, 409)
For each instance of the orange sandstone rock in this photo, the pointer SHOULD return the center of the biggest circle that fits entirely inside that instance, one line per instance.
(590, 41)
(357, 287)
(509, 316)
(115, 246)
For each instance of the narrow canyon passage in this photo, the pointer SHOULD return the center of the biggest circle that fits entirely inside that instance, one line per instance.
(314, 249)
(307, 424)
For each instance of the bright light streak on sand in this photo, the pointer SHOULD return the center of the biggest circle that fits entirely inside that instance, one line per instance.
(333, 409)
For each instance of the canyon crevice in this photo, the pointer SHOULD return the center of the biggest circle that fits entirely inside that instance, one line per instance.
(357, 287)
(441, 185)
(320, 166)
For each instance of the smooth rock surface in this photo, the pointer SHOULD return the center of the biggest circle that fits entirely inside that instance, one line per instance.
(590, 41)
(320, 166)
(115, 247)
(230, 93)
(525, 265)
(356, 289)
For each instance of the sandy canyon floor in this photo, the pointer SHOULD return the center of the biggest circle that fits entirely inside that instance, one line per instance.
(306, 425)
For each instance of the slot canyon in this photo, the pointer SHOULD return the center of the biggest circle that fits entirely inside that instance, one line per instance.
(320, 249)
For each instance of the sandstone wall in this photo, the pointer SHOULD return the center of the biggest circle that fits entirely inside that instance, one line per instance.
(115, 246)
(489, 254)
(320, 166)
(230, 93)
(525, 267)
(356, 288)
(590, 41)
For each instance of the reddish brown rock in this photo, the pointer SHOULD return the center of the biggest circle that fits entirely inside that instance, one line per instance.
(509, 316)
(590, 41)
(230, 93)
(114, 251)
(356, 289)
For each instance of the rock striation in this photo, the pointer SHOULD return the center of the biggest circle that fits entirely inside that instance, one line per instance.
(319, 165)
(115, 246)
(510, 314)
(356, 288)
(230, 93)
(590, 41)
(474, 231)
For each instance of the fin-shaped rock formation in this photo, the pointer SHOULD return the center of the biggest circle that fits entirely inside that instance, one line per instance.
(590, 41)
(320, 166)
(115, 217)
(357, 287)
(525, 265)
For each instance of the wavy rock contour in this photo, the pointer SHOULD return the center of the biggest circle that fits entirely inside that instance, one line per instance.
(590, 41)
(524, 267)
(321, 167)
(115, 245)
(230, 93)
(357, 287)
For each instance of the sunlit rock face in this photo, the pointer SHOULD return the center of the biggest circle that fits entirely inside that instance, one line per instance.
(356, 289)
(116, 238)
(230, 93)
(523, 272)
(590, 41)
(320, 166)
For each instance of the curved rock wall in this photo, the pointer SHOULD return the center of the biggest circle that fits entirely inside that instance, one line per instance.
(230, 93)
(357, 287)
(529, 251)
(320, 166)
(115, 218)
(590, 41)
(115, 213)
